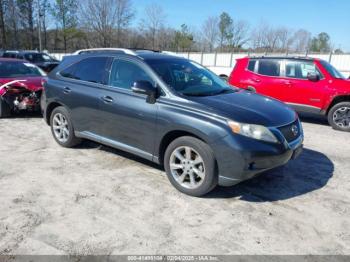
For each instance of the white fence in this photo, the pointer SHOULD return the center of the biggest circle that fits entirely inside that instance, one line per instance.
(223, 63)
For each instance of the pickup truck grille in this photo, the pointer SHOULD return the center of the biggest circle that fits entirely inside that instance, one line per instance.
(291, 131)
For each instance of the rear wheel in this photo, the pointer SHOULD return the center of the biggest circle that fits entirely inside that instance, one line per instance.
(5, 110)
(339, 116)
(190, 166)
(62, 128)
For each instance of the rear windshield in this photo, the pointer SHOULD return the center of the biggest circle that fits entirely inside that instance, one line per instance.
(19, 69)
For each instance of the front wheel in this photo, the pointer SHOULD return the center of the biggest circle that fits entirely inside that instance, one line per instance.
(62, 128)
(190, 166)
(339, 116)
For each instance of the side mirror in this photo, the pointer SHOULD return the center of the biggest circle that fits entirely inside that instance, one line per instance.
(145, 88)
(224, 78)
(313, 77)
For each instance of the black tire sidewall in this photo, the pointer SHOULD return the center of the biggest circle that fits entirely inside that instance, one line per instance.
(330, 116)
(72, 140)
(5, 110)
(211, 177)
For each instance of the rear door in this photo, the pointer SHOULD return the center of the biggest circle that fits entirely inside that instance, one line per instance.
(266, 78)
(79, 89)
(301, 93)
(129, 122)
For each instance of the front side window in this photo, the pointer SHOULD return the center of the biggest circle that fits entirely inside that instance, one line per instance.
(269, 67)
(189, 78)
(91, 69)
(19, 69)
(125, 73)
(300, 69)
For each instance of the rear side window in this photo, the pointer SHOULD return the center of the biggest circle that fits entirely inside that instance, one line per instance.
(269, 67)
(91, 69)
(251, 65)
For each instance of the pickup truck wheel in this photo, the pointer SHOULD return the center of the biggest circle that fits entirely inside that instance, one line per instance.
(339, 116)
(62, 128)
(5, 110)
(190, 166)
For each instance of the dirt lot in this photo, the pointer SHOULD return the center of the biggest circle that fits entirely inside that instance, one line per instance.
(97, 200)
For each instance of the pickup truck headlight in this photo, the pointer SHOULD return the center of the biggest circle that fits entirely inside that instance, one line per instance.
(253, 131)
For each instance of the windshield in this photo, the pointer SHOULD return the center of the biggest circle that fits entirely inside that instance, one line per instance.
(189, 78)
(19, 69)
(332, 70)
(38, 58)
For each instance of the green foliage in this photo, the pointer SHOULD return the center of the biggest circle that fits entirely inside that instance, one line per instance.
(321, 43)
(183, 38)
(225, 26)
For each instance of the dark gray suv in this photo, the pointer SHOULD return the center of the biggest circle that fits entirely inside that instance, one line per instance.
(171, 111)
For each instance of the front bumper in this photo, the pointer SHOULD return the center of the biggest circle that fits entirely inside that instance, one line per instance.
(240, 158)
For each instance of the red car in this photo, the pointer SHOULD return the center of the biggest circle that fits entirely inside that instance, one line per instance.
(307, 84)
(21, 84)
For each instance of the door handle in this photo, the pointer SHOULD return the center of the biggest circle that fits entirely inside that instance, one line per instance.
(66, 90)
(107, 99)
(257, 80)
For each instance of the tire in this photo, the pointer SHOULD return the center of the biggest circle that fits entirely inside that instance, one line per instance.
(187, 175)
(5, 110)
(62, 128)
(343, 110)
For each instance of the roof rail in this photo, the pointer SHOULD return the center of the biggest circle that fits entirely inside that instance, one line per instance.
(91, 50)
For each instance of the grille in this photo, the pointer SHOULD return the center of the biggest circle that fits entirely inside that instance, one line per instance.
(291, 131)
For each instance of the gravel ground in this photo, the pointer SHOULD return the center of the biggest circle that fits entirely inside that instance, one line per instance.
(97, 200)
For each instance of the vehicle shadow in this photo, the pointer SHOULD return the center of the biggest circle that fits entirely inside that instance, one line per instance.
(310, 172)
(313, 119)
(25, 114)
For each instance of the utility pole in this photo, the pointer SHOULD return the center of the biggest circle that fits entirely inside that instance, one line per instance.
(39, 26)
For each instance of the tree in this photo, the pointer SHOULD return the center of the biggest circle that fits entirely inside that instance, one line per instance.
(225, 26)
(302, 40)
(153, 22)
(26, 11)
(237, 34)
(2, 25)
(321, 43)
(210, 32)
(183, 38)
(65, 14)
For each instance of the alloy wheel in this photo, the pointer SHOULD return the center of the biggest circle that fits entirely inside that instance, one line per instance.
(187, 167)
(60, 127)
(341, 117)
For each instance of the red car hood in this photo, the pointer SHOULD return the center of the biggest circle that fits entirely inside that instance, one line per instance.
(31, 83)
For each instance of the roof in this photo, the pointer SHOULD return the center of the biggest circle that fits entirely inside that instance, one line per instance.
(284, 57)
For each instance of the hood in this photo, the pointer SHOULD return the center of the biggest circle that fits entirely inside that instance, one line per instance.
(248, 107)
(32, 84)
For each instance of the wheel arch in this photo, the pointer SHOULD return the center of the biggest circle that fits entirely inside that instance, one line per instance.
(170, 137)
(49, 110)
(337, 100)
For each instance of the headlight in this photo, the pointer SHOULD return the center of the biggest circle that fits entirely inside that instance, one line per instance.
(254, 131)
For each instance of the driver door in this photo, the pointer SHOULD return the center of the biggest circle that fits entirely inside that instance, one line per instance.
(129, 122)
(300, 92)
